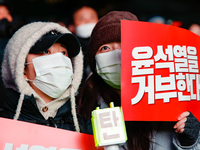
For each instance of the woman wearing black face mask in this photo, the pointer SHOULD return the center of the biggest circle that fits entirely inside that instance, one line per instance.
(103, 87)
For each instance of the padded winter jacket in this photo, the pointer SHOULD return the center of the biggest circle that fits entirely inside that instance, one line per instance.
(21, 102)
(30, 113)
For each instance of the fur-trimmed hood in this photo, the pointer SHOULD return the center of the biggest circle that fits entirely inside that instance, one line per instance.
(15, 55)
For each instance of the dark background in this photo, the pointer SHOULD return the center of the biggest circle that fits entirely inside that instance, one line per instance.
(185, 11)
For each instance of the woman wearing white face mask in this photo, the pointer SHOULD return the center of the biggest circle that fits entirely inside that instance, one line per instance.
(108, 63)
(41, 71)
(104, 85)
(84, 19)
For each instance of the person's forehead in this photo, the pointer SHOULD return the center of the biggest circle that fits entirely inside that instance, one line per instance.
(112, 43)
(58, 45)
(3, 8)
(83, 11)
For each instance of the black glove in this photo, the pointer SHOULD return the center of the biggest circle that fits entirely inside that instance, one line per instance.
(191, 131)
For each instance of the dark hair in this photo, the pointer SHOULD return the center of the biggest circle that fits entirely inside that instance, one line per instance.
(90, 92)
(94, 88)
(139, 135)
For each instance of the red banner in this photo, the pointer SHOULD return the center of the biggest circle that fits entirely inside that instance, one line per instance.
(159, 71)
(19, 135)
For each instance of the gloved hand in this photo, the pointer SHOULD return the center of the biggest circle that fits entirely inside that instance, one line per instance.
(188, 128)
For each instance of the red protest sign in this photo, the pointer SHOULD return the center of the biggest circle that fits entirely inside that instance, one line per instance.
(28, 136)
(159, 71)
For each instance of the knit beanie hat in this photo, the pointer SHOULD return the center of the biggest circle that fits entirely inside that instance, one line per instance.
(107, 30)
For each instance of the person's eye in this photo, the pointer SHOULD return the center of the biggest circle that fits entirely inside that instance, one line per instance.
(105, 48)
(93, 17)
(64, 53)
(45, 52)
(81, 19)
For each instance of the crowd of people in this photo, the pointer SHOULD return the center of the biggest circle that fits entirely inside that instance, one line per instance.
(52, 75)
(83, 19)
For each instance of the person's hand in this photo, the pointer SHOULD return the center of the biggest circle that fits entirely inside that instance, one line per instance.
(188, 128)
(180, 125)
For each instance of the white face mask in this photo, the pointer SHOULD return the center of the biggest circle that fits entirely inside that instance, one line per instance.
(85, 30)
(53, 74)
(108, 66)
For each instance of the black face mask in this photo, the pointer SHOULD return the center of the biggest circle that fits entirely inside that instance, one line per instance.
(6, 29)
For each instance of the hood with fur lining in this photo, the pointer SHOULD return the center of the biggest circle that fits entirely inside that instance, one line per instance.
(15, 55)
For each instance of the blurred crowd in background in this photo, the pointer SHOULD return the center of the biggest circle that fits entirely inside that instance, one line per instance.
(16, 13)
(81, 20)
(182, 13)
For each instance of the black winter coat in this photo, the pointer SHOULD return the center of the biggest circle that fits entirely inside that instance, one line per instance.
(30, 113)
